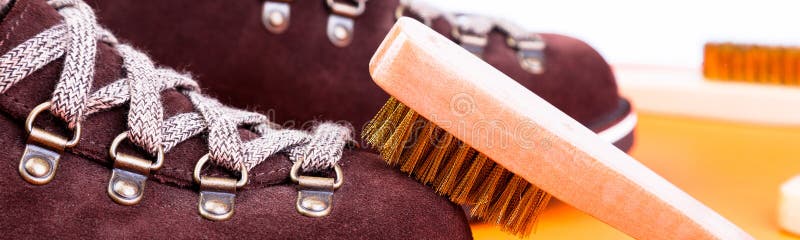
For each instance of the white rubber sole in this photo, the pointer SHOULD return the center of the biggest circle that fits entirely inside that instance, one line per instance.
(619, 130)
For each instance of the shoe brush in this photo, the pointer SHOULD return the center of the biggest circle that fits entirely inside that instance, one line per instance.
(481, 139)
(751, 84)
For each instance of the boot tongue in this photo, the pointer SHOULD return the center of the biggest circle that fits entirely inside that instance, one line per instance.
(28, 18)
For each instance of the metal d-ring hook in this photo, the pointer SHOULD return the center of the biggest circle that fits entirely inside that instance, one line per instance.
(217, 194)
(315, 195)
(128, 178)
(43, 150)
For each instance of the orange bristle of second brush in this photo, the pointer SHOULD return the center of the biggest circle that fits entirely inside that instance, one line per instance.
(752, 63)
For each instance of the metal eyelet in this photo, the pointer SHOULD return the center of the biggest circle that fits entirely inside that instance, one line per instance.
(217, 194)
(530, 52)
(341, 21)
(315, 195)
(129, 175)
(529, 46)
(347, 9)
(43, 149)
(472, 40)
(400, 12)
(275, 15)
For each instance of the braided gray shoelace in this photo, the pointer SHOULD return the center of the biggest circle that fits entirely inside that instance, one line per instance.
(76, 39)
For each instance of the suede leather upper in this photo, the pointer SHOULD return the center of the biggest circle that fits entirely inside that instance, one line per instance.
(374, 202)
(303, 77)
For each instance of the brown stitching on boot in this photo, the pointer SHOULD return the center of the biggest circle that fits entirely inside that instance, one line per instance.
(261, 182)
(15, 24)
(271, 172)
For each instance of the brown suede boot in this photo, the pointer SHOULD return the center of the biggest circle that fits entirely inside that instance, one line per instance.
(308, 59)
(116, 130)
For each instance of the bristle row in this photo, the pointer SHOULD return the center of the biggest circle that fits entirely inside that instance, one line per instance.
(752, 63)
(454, 169)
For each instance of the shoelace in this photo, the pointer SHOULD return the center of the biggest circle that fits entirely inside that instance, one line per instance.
(76, 39)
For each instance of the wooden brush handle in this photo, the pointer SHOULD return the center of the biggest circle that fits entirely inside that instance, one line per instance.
(522, 132)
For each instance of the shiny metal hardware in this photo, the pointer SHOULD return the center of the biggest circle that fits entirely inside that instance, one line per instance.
(275, 15)
(419, 10)
(38, 165)
(347, 9)
(43, 150)
(217, 194)
(400, 11)
(129, 175)
(315, 195)
(340, 30)
(472, 32)
(529, 46)
(530, 52)
(341, 21)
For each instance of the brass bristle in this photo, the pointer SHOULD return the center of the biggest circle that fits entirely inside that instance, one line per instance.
(418, 149)
(752, 63)
(486, 193)
(461, 194)
(509, 196)
(455, 165)
(526, 212)
(435, 159)
(381, 128)
(397, 139)
(524, 209)
(454, 169)
(372, 126)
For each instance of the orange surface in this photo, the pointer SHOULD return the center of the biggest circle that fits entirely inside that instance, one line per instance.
(733, 168)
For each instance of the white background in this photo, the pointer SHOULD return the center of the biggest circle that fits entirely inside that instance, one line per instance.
(649, 32)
